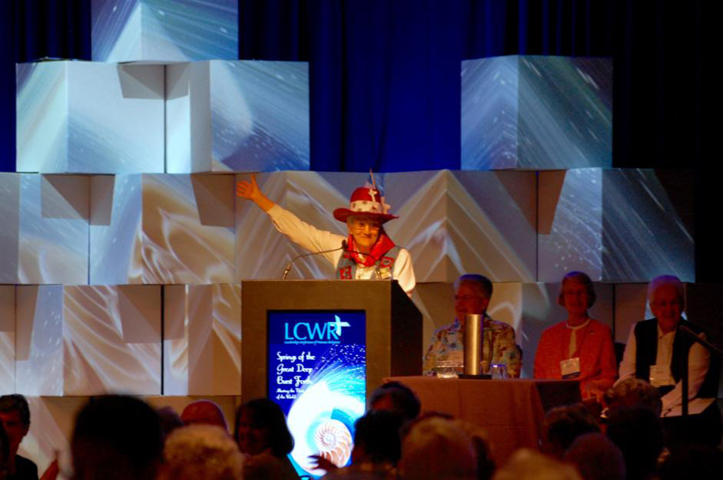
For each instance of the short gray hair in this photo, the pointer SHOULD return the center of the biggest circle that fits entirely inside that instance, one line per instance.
(664, 280)
(202, 451)
(437, 448)
(484, 283)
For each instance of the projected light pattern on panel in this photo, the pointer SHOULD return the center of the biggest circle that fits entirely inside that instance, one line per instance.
(90, 118)
(10, 219)
(45, 239)
(112, 339)
(164, 30)
(163, 229)
(7, 339)
(202, 340)
(616, 225)
(51, 427)
(458, 222)
(39, 340)
(490, 105)
(260, 115)
(570, 223)
(54, 229)
(536, 112)
(237, 116)
(115, 229)
(261, 251)
(644, 234)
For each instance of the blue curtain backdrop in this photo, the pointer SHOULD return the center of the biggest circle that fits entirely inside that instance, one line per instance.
(385, 83)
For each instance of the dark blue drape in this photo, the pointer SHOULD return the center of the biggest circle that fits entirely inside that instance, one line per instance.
(385, 82)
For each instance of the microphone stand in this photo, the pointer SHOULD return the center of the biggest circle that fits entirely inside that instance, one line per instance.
(288, 266)
(688, 336)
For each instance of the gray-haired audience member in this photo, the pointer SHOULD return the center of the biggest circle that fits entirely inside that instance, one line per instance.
(596, 457)
(633, 392)
(201, 452)
(528, 464)
(396, 397)
(204, 412)
(116, 437)
(15, 419)
(437, 449)
(562, 425)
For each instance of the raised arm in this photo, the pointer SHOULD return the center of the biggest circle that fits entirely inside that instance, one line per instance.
(251, 191)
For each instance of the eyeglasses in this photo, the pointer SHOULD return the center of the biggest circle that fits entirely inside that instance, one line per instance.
(362, 224)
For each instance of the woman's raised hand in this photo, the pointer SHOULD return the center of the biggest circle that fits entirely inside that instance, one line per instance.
(251, 191)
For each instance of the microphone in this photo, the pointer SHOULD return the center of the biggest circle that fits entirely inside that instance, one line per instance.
(288, 267)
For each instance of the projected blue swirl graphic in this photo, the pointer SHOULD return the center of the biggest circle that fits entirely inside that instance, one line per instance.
(164, 30)
(317, 373)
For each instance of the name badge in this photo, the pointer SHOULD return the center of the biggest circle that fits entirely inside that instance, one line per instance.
(660, 376)
(570, 368)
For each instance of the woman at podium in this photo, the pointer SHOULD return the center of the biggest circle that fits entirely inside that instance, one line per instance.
(366, 253)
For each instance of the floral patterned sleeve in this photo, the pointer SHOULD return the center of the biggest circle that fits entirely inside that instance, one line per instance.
(505, 351)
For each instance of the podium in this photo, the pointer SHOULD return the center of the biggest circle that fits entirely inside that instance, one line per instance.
(393, 325)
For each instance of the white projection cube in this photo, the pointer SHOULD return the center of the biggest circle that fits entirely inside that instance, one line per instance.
(161, 229)
(88, 340)
(164, 30)
(465, 222)
(536, 112)
(202, 340)
(84, 117)
(262, 252)
(619, 226)
(246, 116)
(7, 339)
(45, 228)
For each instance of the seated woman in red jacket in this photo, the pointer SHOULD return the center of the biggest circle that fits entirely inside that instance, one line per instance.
(580, 347)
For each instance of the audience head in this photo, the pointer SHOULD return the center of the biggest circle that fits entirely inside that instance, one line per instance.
(638, 433)
(666, 297)
(483, 451)
(201, 452)
(15, 419)
(528, 464)
(577, 293)
(633, 392)
(170, 420)
(116, 438)
(204, 412)
(562, 425)
(472, 293)
(437, 449)
(596, 457)
(398, 398)
(376, 438)
(261, 425)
